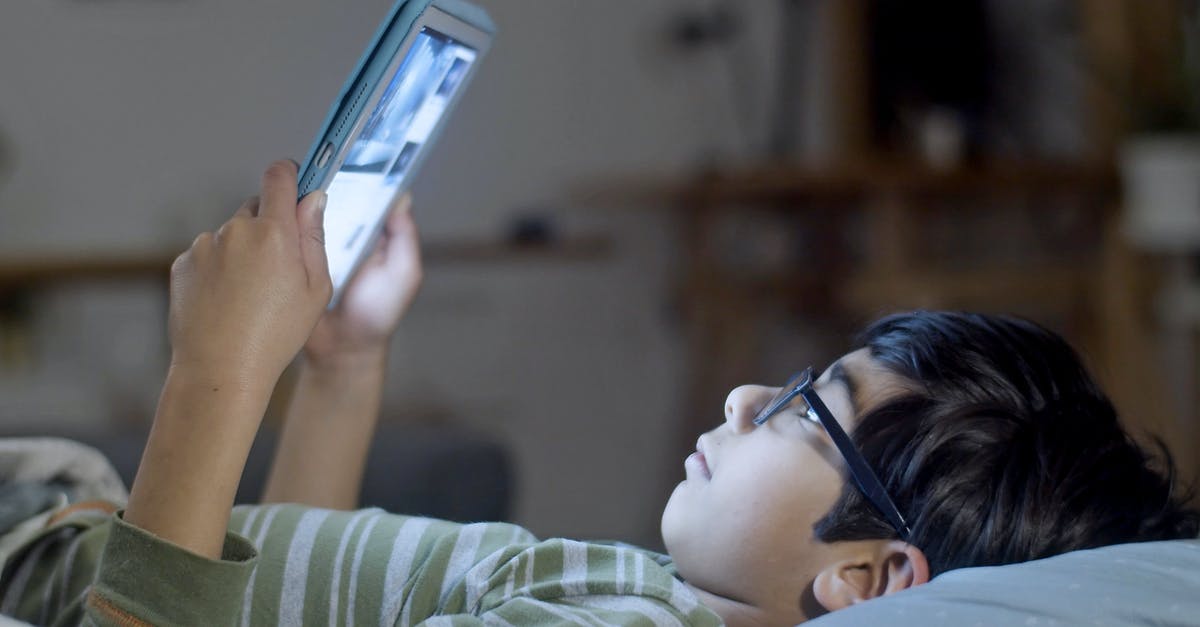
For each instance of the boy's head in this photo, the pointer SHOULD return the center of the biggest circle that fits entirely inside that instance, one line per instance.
(987, 433)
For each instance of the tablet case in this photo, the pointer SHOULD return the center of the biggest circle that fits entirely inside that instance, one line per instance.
(379, 54)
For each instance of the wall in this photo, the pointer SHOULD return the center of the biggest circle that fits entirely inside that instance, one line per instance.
(133, 125)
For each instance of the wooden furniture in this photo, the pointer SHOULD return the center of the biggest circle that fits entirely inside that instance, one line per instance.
(22, 277)
(26, 271)
(829, 249)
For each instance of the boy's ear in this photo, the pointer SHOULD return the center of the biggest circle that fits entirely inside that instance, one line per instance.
(881, 568)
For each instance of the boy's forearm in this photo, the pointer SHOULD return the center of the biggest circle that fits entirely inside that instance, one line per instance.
(188, 477)
(327, 432)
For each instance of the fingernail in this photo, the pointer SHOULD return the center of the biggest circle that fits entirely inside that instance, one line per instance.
(321, 200)
(295, 163)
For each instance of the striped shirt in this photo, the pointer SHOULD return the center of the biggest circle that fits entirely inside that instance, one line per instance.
(294, 565)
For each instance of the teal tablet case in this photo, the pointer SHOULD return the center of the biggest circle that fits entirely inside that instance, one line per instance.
(371, 66)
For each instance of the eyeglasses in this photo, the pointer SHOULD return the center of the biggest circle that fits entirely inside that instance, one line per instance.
(868, 482)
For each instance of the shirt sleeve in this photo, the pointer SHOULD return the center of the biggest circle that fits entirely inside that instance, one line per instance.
(145, 580)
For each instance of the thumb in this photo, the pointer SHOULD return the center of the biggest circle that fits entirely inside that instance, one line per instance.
(310, 218)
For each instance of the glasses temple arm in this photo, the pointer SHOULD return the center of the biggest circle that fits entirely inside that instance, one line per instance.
(866, 478)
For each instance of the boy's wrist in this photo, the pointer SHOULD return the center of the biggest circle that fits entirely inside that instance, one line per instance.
(203, 429)
(231, 383)
(347, 361)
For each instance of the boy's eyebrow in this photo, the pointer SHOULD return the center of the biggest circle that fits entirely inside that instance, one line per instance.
(837, 373)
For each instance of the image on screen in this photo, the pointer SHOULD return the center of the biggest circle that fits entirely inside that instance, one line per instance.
(378, 163)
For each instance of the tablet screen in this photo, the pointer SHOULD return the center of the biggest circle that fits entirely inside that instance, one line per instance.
(379, 161)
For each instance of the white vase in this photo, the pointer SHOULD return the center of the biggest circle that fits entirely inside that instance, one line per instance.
(1160, 175)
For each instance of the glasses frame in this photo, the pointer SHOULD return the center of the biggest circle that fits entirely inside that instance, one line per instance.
(867, 481)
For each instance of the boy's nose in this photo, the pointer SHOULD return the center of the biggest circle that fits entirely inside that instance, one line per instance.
(742, 404)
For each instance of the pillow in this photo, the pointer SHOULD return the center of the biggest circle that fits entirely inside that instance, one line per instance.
(1145, 583)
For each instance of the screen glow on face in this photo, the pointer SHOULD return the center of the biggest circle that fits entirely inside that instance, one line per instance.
(378, 163)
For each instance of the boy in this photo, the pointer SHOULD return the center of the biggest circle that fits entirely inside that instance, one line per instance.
(976, 440)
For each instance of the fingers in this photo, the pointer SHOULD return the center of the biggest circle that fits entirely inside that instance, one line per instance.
(403, 245)
(249, 209)
(399, 215)
(398, 232)
(278, 200)
(310, 216)
(200, 249)
(201, 244)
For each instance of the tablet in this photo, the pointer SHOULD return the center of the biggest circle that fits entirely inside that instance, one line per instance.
(389, 113)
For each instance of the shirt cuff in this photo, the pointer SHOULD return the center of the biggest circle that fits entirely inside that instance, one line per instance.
(145, 579)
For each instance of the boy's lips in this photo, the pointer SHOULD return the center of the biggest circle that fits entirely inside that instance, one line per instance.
(698, 463)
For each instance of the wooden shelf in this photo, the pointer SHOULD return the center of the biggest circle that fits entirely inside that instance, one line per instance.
(25, 271)
(783, 183)
(19, 272)
(1055, 286)
(579, 248)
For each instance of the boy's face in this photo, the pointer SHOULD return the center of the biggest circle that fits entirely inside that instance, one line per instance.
(741, 524)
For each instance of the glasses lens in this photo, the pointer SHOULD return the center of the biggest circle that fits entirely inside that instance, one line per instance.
(787, 396)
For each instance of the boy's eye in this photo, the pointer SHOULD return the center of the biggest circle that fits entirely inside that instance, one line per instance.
(809, 424)
(796, 418)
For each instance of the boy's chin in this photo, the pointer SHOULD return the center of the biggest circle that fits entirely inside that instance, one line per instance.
(671, 525)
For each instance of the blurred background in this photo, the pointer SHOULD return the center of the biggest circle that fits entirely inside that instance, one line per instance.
(637, 206)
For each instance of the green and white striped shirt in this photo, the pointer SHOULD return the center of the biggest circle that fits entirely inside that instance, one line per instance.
(304, 565)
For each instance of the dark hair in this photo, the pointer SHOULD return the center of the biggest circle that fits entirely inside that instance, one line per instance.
(1005, 451)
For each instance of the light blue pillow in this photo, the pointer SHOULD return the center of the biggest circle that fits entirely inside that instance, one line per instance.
(1146, 583)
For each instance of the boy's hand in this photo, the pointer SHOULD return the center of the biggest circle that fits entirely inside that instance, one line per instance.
(242, 303)
(243, 300)
(358, 329)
